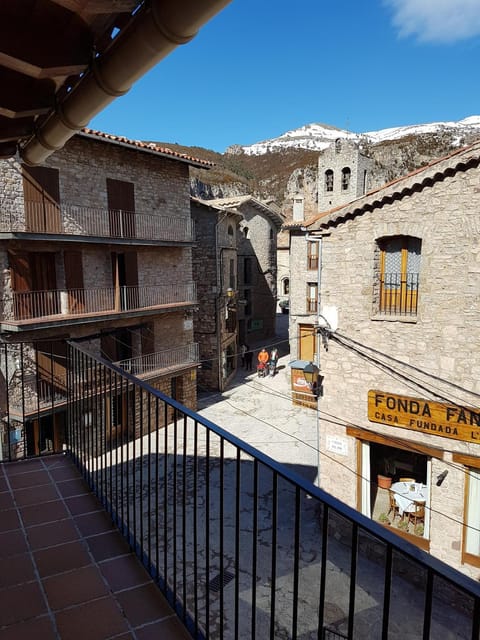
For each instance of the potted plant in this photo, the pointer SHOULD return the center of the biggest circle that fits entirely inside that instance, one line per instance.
(384, 477)
(383, 518)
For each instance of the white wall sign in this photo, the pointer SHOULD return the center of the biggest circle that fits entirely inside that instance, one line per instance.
(337, 445)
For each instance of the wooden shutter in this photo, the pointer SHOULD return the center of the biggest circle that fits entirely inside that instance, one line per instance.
(307, 342)
(41, 189)
(21, 279)
(121, 208)
(47, 300)
(74, 281)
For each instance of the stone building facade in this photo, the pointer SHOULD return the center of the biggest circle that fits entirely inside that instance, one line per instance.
(96, 245)
(394, 297)
(215, 276)
(343, 174)
(257, 266)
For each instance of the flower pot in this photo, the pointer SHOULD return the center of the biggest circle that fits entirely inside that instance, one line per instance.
(384, 482)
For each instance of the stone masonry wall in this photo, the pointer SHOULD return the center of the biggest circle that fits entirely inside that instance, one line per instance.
(439, 348)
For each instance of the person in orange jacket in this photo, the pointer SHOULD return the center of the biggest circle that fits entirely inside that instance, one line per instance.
(262, 362)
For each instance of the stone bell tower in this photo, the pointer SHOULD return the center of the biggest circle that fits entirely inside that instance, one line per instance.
(343, 174)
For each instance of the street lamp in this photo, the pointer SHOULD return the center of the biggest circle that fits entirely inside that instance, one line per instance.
(310, 373)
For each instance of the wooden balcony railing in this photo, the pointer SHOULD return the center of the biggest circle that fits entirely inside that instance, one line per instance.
(98, 222)
(154, 362)
(84, 302)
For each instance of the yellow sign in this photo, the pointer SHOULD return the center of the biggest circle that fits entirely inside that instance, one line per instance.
(426, 416)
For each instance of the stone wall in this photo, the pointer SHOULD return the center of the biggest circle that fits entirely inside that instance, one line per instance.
(433, 355)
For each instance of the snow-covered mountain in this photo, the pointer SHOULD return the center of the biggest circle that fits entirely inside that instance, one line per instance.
(317, 137)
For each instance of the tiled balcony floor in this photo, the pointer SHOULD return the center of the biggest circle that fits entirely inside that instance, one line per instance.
(65, 571)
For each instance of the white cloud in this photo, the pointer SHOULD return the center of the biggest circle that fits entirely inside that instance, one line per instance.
(437, 20)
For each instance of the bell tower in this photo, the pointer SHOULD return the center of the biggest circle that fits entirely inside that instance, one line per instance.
(343, 174)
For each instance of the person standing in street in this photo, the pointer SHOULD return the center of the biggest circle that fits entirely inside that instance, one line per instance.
(273, 361)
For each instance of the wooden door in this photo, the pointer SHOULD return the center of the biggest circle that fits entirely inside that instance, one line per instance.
(307, 342)
(21, 279)
(74, 281)
(121, 208)
(46, 298)
(41, 189)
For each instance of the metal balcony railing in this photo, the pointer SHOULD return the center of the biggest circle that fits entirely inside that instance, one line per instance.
(398, 294)
(241, 545)
(71, 219)
(151, 363)
(28, 305)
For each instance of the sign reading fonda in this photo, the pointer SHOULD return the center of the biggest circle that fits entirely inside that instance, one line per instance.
(435, 418)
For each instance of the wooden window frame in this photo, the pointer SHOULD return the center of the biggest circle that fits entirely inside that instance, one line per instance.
(398, 296)
(312, 255)
(470, 462)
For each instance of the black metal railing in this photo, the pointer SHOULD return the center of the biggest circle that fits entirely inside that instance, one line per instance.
(398, 294)
(241, 545)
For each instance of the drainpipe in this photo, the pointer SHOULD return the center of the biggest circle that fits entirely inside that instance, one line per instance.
(154, 33)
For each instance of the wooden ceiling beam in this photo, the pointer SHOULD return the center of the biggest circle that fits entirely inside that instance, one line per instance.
(26, 96)
(43, 40)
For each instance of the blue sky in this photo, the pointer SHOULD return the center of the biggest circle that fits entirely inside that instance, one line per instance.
(263, 67)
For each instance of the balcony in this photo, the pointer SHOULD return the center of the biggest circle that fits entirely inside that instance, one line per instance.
(398, 294)
(153, 364)
(65, 304)
(239, 545)
(96, 222)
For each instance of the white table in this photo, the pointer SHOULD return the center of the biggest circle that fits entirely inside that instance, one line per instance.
(407, 493)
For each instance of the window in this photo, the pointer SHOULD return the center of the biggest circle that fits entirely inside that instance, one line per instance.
(231, 278)
(230, 230)
(472, 524)
(328, 180)
(247, 270)
(285, 286)
(312, 255)
(312, 296)
(338, 145)
(399, 268)
(346, 173)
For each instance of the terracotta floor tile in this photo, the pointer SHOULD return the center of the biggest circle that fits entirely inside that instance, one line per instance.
(107, 545)
(52, 533)
(64, 473)
(13, 468)
(9, 520)
(95, 620)
(83, 504)
(6, 500)
(169, 629)
(144, 604)
(21, 602)
(64, 557)
(92, 523)
(36, 629)
(75, 487)
(15, 570)
(57, 461)
(124, 572)
(30, 479)
(12, 542)
(40, 514)
(74, 587)
(35, 495)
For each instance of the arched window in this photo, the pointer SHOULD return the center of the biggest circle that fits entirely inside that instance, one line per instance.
(346, 173)
(230, 230)
(329, 180)
(285, 286)
(245, 232)
(338, 145)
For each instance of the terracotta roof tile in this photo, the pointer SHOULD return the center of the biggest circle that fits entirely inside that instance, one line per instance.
(148, 146)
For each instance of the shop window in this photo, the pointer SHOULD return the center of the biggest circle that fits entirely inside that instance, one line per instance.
(472, 518)
(328, 180)
(396, 282)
